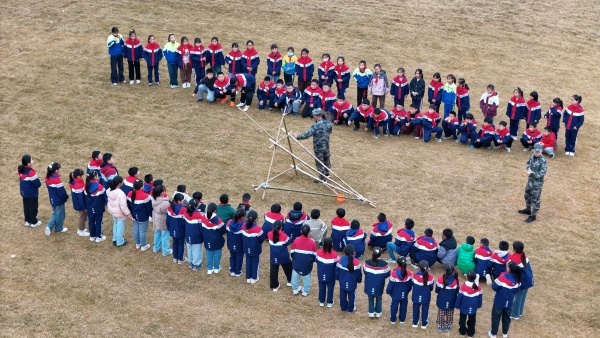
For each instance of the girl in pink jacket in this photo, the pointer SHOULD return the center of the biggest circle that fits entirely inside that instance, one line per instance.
(117, 208)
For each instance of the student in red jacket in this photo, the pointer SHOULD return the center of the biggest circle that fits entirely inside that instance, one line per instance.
(133, 53)
(153, 54)
(548, 141)
(185, 62)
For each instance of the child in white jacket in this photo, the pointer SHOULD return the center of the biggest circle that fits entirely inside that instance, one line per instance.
(117, 208)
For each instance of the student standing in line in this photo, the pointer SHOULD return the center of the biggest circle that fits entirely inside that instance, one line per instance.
(29, 185)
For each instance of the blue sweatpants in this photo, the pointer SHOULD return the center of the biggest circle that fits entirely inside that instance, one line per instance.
(252, 266)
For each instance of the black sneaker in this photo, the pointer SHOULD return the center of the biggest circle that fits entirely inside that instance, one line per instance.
(525, 211)
(530, 219)
(114, 243)
(124, 243)
(200, 100)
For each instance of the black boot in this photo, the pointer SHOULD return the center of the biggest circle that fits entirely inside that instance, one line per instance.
(526, 211)
(530, 219)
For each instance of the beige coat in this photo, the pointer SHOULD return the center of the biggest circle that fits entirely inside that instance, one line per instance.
(159, 213)
(117, 204)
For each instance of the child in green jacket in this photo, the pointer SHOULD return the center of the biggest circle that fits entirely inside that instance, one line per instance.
(466, 256)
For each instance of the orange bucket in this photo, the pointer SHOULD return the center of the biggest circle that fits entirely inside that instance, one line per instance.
(340, 198)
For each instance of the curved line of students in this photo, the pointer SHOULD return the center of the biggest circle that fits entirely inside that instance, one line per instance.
(187, 220)
(318, 92)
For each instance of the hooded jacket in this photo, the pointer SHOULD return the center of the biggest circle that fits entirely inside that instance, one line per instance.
(159, 213)
(29, 183)
(466, 255)
(117, 204)
(293, 223)
(56, 190)
(77, 195)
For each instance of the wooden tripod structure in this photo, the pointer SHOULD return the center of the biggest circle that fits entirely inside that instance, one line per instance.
(334, 183)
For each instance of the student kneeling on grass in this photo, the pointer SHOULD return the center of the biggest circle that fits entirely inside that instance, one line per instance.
(304, 251)
(405, 240)
(503, 137)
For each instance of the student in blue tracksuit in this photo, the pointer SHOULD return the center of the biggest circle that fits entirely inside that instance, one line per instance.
(29, 185)
(279, 255)
(115, 44)
(176, 226)
(553, 115)
(362, 75)
(468, 130)
(447, 289)
(235, 242)
(294, 221)
(213, 230)
(327, 258)
(170, 54)
(506, 287)
(193, 234)
(521, 260)
(252, 238)
(405, 239)
(348, 273)
(339, 228)
(398, 288)
(58, 197)
(140, 205)
(304, 251)
(133, 53)
(77, 185)
(376, 272)
(95, 202)
(421, 296)
(381, 234)
(468, 300)
(357, 238)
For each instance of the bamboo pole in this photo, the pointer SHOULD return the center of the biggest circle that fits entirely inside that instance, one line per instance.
(272, 158)
(289, 143)
(265, 183)
(310, 193)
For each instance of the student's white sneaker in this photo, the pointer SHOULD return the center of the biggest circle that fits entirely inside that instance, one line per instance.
(393, 323)
(83, 233)
(439, 140)
(457, 140)
(390, 261)
(145, 247)
(321, 304)
(246, 108)
(424, 327)
(174, 260)
(415, 325)
(137, 81)
(36, 224)
(27, 224)
(240, 105)
(571, 154)
(288, 284)
(276, 289)
(514, 137)
(304, 294)
(507, 150)
(158, 83)
(64, 230)
(100, 239)
(216, 270)
(47, 231)
(504, 336)
(297, 291)
(248, 280)
(254, 281)
(488, 279)
(209, 272)
(114, 84)
(92, 239)
(371, 315)
(377, 315)
(416, 137)
(130, 81)
(329, 305)
(137, 246)
(491, 335)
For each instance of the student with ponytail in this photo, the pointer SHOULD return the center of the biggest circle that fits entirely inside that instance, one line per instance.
(95, 202)
(422, 286)
(376, 272)
(30, 189)
(519, 258)
(447, 289)
(160, 205)
(193, 234)
(468, 300)
(516, 110)
(58, 197)
(118, 209)
(140, 205)
(235, 242)
(463, 102)
(506, 287)
(553, 115)
(326, 261)
(77, 185)
(573, 118)
(251, 243)
(304, 251)
(348, 273)
(176, 226)
(213, 230)
(279, 255)
(398, 288)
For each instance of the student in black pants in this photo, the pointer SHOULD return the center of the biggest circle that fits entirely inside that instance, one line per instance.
(279, 255)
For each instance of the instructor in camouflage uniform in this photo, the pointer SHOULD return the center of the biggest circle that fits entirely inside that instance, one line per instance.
(536, 169)
(320, 131)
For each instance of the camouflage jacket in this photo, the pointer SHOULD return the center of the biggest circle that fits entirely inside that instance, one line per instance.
(320, 132)
(538, 167)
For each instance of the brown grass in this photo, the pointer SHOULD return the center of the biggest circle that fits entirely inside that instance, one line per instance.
(57, 104)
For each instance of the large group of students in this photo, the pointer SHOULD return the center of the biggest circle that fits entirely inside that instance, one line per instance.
(326, 90)
(188, 229)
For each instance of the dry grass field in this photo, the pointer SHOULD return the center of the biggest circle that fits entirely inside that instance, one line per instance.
(57, 104)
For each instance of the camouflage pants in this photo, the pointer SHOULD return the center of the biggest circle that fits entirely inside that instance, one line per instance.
(533, 192)
(323, 156)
